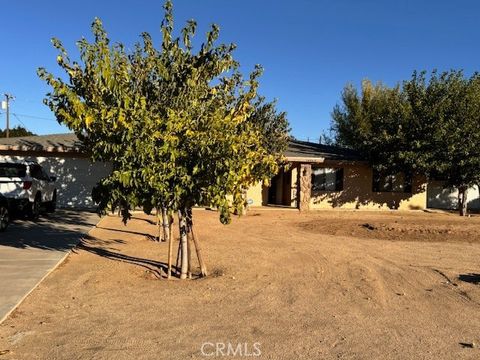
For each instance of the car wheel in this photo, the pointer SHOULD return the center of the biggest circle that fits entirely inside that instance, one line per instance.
(4, 217)
(34, 212)
(52, 205)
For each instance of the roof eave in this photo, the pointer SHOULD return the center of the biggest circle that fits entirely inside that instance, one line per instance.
(49, 149)
(305, 159)
(326, 161)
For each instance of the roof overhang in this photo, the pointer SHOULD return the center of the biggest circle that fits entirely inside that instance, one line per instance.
(322, 160)
(316, 160)
(48, 149)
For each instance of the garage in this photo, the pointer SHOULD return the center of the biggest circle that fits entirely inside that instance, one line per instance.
(439, 197)
(60, 155)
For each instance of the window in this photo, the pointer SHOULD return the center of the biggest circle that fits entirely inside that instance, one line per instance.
(391, 183)
(12, 170)
(327, 179)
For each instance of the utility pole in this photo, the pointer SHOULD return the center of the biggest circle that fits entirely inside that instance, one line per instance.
(6, 105)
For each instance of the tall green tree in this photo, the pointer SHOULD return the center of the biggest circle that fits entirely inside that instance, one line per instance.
(428, 126)
(178, 125)
(445, 128)
(274, 125)
(374, 121)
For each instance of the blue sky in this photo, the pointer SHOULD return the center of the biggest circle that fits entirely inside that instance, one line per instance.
(309, 48)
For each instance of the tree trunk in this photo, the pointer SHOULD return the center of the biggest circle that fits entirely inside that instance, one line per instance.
(159, 227)
(165, 224)
(462, 200)
(203, 267)
(245, 202)
(170, 247)
(182, 225)
(189, 253)
(179, 255)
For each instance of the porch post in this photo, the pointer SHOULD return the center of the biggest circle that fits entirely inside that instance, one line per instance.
(304, 174)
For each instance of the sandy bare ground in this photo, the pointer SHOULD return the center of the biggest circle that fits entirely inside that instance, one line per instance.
(323, 285)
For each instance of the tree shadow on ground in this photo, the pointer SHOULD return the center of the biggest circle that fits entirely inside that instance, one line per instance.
(470, 278)
(102, 248)
(58, 231)
(149, 236)
(64, 229)
(151, 222)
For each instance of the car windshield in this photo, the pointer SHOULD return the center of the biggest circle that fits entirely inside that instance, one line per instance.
(12, 170)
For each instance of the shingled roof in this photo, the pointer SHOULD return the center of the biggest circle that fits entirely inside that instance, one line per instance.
(69, 143)
(307, 151)
(43, 143)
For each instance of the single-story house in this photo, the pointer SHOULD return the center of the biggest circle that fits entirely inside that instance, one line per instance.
(316, 177)
(322, 177)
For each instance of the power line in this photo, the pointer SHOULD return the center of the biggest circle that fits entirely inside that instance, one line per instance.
(31, 116)
(21, 122)
(34, 117)
(17, 117)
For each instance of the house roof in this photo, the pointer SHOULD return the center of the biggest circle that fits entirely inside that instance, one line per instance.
(313, 152)
(43, 143)
(69, 143)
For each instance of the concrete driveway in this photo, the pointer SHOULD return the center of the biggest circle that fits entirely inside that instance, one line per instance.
(29, 250)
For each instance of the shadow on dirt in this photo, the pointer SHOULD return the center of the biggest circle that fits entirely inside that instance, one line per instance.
(150, 237)
(105, 249)
(470, 278)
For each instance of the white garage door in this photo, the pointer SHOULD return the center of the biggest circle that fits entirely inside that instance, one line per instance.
(441, 198)
(76, 176)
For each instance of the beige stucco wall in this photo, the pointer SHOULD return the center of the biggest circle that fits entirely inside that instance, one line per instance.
(357, 193)
(255, 195)
(294, 187)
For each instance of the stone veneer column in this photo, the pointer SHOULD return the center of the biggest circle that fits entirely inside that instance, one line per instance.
(305, 186)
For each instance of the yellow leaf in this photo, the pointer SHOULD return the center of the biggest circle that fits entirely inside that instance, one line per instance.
(121, 117)
(89, 120)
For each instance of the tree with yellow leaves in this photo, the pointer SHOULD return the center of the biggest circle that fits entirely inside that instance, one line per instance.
(180, 127)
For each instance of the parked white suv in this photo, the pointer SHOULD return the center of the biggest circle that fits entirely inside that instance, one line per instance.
(27, 187)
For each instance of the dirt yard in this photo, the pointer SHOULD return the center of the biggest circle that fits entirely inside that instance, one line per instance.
(323, 285)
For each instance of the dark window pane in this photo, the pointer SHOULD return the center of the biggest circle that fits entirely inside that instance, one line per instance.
(376, 181)
(408, 183)
(12, 170)
(36, 172)
(339, 180)
(327, 179)
(399, 182)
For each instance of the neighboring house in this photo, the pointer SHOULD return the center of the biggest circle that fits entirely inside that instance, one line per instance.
(316, 177)
(60, 155)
